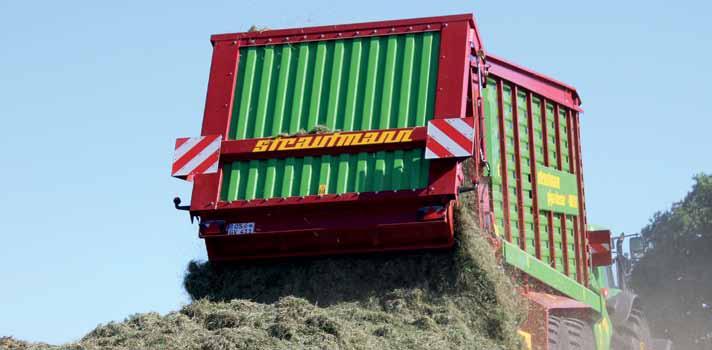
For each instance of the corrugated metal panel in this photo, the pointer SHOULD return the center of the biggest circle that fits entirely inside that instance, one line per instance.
(494, 156)
(352, 84)
(362, 172)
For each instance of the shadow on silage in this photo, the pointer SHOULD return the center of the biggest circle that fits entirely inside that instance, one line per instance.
(467, 280)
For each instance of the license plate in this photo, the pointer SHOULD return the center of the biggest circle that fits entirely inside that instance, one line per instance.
(240, 228)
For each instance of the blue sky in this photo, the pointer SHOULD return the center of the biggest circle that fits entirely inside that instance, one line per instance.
(93, 95)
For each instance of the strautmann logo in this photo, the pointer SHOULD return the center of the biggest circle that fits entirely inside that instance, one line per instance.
(334, 140)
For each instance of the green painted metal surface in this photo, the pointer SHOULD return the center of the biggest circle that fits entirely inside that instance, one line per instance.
(552, 277)
(557, 191)
(602, 327)
(362, 172)
(348, 85)
(492, 139)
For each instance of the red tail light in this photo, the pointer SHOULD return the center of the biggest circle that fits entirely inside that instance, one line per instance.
(212, 227)
(433, 212)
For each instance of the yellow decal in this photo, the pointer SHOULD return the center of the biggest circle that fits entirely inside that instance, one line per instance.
(573, 201)
(526, 339)
(322, 189)
(553, 198)
(548, 180)
(334, 140)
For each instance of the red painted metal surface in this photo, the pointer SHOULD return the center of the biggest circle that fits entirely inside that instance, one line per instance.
(541, 306)
(549, 215)
(573, 159)
(518, 172)
(216, 120)
(532, 165)
(582, 201)
(451, 94)
(342, 31)
(315, 229)
(335, 223)
(547, 87)
(600, 242)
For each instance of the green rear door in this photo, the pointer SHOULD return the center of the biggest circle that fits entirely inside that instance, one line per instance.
(338, 85)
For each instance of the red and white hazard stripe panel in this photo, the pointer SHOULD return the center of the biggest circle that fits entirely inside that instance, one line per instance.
(600, 248)
(599, 242)
(196, 155)
(450, 138)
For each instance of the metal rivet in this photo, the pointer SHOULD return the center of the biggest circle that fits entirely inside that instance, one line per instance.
(234, 42)
(286, 39)
(252, 41)
(428, 26)
(321, 35)
(338, 34)
(375, 31)
(393, 29)
(410, 28)
(444, 24)
(269, 40)
(225, 105)
(229, 74)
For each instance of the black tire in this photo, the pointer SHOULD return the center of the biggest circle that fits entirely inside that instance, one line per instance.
(567, 333)
(633, 334)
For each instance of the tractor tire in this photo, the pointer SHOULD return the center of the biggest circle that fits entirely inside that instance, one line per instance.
(633, 334)
(567, 333)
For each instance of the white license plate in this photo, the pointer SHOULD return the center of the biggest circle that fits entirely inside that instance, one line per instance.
(240, 228)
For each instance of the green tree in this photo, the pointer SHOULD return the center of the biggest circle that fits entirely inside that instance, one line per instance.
(674, 276)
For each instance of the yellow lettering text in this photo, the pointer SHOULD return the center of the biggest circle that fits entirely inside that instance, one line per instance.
(573, 201)
(548, 180)
(553, 199)
(261, 146)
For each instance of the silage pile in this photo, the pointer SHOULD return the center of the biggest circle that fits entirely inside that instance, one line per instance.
(461, 299)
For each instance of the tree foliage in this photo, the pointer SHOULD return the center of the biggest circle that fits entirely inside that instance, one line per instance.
(674, 276)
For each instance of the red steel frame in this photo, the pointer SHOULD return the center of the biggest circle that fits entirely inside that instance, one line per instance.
(459, 39)
(518, 171)
(532, 165)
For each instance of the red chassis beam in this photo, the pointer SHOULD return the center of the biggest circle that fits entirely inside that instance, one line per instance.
(336, 228)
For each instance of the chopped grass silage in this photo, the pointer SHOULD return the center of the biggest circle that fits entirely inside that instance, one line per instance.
(458, 299)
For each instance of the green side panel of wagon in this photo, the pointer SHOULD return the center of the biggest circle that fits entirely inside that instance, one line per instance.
(567, 180)
(355, 84)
